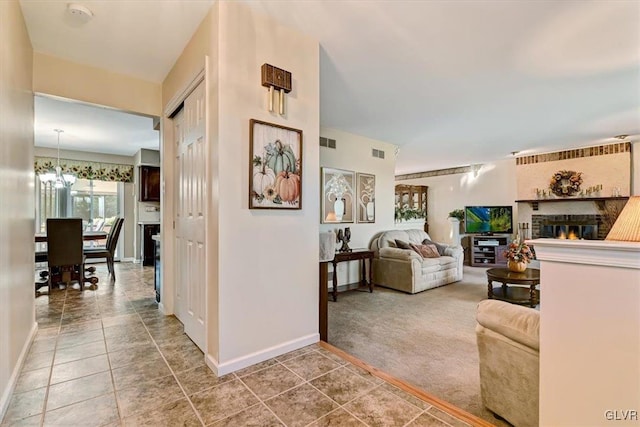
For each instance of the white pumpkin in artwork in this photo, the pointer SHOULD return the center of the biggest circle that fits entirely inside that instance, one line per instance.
(263, 176)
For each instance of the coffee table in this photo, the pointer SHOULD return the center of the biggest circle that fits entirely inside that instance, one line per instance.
(517, 294)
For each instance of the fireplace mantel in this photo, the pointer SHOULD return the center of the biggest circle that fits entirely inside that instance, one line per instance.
(599, 201)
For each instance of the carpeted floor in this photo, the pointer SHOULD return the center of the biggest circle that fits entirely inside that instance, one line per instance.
(427, 339)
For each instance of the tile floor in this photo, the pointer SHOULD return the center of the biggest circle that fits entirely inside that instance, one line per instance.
(107, 357)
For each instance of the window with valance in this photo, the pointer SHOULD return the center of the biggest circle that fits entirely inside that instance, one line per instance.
(83, 169)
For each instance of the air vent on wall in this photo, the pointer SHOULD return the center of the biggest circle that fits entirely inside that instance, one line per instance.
(377, 153)
(327, 142)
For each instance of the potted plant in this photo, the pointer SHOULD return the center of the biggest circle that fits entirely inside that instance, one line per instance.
(459, 215)
(518, 255)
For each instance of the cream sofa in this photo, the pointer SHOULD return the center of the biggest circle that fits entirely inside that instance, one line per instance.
(405, 270)
(509, 350)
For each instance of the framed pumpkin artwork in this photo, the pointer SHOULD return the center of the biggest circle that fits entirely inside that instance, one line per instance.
(275, 177)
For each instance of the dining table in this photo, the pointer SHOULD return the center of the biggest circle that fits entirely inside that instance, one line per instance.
(87, 235)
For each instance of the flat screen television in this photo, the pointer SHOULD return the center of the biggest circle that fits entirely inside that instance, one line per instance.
(488, 219)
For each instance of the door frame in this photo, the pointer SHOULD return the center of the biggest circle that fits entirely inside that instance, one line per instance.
(167, 211)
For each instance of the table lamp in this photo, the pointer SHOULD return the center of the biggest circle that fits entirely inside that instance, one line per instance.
(627, 226)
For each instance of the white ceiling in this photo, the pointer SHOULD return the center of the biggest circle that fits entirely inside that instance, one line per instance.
(92, 129)
(451, 82)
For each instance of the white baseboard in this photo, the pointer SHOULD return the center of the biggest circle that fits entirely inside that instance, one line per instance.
(259, 356)
(6, 395)
(131, 259)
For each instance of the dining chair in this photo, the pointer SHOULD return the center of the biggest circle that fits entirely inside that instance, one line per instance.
(64, 251)
(109, 249)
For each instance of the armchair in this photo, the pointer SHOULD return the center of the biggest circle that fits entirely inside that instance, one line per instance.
(509, 352)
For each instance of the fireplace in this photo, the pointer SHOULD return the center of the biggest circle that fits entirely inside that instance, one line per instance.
(587, 227)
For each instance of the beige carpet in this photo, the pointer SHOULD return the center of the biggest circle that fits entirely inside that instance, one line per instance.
(427, 339)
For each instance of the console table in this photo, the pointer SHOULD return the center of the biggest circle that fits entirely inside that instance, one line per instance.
(355, 255)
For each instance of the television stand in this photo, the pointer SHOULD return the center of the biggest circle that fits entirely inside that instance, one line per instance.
(488, 250)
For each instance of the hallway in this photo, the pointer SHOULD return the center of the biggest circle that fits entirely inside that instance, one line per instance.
(107, 357)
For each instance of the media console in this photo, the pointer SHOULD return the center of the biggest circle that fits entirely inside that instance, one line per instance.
(487, 251)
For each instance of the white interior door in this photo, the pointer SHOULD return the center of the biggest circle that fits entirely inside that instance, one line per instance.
(190, 140)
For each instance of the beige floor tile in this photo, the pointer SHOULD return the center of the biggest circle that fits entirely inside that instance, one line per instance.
(342, 385)
(406, 396)
(72, 339)
(31, 380)
(426, 420)
(73, 391)
(338, 418)
(254, 368)
(109, 321)
(443, 416)
(326, 353)
(311, 365)
(200, 378)
(380, 408)
(78, 352)
(132, 374)
(38, 360)
(271, 381)
(219, 402)
(178, 413)
(137, 354)
(44, 344)
(148, 394)
(32, 421)
(301, 405)
(23, 405)
(79, 368)
(98, 411)
(128, 341)
(256, 416)
(296, 353)
(185, 360)
(81, 326)
(131, 328)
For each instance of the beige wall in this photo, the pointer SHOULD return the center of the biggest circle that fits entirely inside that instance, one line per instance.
(268, 297)
(263, 301)
(17, 309)
(611, 170)
(495, 185)
(59, 77)
(589, 346)
(353, 153)
(201, 51)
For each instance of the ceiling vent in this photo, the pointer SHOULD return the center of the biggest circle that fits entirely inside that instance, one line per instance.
(377, 153)
(327, 142)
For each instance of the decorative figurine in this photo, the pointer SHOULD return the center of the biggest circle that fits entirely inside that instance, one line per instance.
(345, 238)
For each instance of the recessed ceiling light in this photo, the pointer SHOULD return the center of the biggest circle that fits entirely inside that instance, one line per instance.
(80, 14)
(621, 136)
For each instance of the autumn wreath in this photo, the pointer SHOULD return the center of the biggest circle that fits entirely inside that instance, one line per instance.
(565, 183)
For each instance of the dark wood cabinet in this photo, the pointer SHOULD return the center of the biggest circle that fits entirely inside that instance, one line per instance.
(149, 184)
(148, 247)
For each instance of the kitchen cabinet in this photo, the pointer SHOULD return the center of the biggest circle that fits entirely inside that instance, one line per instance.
(148, 252)
(149, 184)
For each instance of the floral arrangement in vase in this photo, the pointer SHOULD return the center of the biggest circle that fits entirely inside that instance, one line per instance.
(518, 255)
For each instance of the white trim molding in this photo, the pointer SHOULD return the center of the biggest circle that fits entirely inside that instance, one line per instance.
(591, 252)
(259, 356)
(6, 395)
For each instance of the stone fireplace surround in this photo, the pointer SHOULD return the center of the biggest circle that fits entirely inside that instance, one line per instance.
(589, 227)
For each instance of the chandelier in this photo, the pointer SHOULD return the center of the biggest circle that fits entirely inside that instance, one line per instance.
(58, 179)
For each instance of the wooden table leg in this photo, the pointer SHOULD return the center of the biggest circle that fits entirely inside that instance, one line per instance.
(335, 281)
(490, 289)
(370, 275)
(324, 300)
(532, 295)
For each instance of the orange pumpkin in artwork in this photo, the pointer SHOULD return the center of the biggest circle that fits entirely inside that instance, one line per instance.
(288, 186)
